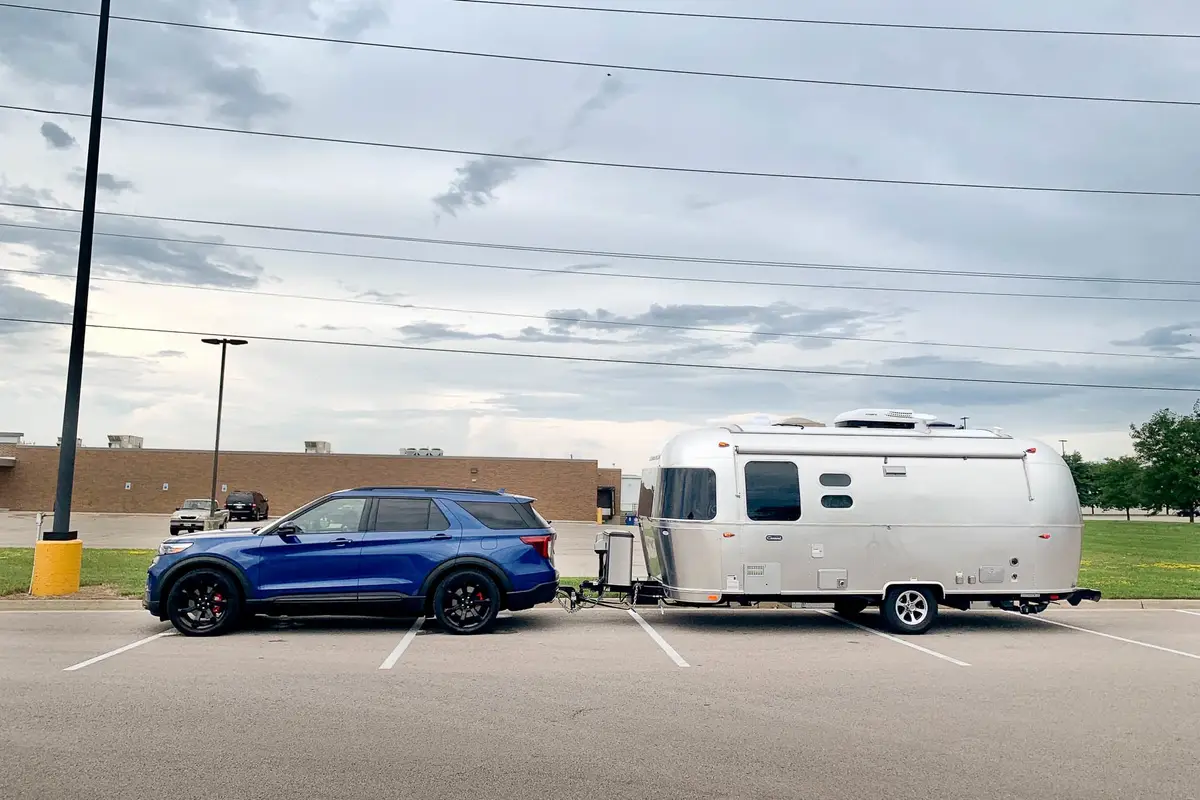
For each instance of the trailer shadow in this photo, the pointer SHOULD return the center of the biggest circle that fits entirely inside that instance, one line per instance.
(752, 621)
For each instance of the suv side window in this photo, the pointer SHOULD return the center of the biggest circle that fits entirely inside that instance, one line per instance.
(499, 516)
(339, 515)
(408, 514)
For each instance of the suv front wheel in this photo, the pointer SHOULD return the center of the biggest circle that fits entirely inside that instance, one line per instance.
(204, 602)
(467, 601)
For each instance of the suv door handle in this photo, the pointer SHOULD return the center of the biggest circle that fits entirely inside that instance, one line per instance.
(441, 536)
(342, 542)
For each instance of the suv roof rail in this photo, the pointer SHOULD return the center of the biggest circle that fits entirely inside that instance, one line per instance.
(427, 489)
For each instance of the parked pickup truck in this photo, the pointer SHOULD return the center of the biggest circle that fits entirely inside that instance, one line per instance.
(198, 515)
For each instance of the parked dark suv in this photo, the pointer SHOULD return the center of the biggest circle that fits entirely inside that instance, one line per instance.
(460, 555)
(247, 505)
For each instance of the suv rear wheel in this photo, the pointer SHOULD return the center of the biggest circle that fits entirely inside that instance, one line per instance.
(204, 602)
(467, 601)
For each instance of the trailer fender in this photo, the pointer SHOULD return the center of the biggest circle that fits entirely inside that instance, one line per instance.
(940, 590)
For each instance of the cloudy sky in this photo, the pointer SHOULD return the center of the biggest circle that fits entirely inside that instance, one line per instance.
(371, 399)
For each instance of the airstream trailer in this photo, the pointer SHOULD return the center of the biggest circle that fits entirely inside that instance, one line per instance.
(885, 508)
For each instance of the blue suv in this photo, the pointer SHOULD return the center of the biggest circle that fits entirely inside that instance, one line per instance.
(460, 555)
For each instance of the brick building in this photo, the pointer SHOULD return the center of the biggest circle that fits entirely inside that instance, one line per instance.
(136, 480)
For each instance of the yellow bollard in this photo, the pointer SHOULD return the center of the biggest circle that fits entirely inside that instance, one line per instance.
(599, 516)
(56, 567)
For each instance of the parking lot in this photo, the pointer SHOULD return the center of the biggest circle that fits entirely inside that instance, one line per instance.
(1088, 703)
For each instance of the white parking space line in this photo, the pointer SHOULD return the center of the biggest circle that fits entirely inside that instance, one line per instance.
(891, 638)
(1193, 613)
(119, 650)
(1116, 638)
(660, 641)
(395, 655)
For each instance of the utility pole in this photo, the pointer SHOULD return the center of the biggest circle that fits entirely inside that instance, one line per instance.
(964, 422)
(61, 529)
(212, 494)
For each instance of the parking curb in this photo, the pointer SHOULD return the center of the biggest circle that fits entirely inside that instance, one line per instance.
(27, 603)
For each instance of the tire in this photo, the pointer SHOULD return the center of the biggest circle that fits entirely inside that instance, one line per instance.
(466, 602)
(849, 607)
(204, 602)
(909, 610)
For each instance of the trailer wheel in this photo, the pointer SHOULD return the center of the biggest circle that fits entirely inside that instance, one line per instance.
(909, 609)
(850, 607)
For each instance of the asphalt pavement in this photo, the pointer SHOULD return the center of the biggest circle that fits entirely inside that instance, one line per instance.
(1078, 703)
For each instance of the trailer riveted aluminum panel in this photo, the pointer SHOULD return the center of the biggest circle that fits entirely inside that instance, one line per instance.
(831, 579)
(762, 578)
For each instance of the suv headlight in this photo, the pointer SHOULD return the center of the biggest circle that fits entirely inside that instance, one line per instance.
(170, 548)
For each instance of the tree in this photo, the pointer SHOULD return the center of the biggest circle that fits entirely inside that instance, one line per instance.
(1085, 482)
(1119, 483)
(1169, 444)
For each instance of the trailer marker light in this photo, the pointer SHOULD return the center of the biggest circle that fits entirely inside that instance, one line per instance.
(1031, 450)
(714, 597)
(1043, 536)
(722, 444)
(727, 535)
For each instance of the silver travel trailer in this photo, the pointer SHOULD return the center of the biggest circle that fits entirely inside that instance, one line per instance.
(886, 508)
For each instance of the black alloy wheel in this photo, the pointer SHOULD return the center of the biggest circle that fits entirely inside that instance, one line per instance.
(467, 602)
(204, 602)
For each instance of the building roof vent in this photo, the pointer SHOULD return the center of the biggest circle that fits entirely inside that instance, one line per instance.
(894, 418)
(124, 441)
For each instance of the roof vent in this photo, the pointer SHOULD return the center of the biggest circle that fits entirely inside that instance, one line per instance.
(799, 422)
(894, 418)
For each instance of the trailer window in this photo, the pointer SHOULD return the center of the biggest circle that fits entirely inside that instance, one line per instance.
(687, 494)
(835, 479)
(837, 501)
(772, 491)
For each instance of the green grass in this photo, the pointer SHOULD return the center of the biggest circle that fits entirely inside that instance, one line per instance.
(1143, 560)
(121, 571)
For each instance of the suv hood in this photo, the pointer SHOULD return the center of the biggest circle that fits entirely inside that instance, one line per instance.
(231, 533)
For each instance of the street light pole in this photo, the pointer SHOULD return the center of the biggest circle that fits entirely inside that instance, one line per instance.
(61, 529)
(212, 494)
(1063, 442)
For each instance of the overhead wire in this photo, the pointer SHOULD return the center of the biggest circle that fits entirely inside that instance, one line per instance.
(737, 368)
(622, 165)
(591, 321)
(834, 22)
(544, 270)
(610, 65)
(670, 258)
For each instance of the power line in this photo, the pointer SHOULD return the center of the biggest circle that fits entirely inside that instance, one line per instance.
(600, 322)
(580, 162)
(622, 361)
(540, 270)
(837, 23)
(801, 265)
(618, 67)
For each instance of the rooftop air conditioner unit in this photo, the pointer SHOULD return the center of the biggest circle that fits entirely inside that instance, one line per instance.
(313, 446)
(894, 418)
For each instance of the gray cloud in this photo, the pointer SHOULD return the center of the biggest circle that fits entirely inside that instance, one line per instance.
(117, 256)
(1167, 339)
(104, 180)
(610, 90)
(56, 137)
(431, 332)
(17, 301)
(477, 181)
(53, 49)
(355, 20)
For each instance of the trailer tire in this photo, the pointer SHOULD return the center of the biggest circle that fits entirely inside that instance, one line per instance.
(909, 610)
(850, 607)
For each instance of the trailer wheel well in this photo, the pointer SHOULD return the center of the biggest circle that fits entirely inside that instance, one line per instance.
(939, 591)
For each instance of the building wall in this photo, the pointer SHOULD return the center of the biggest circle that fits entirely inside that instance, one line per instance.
(565, 488)
(610, 478)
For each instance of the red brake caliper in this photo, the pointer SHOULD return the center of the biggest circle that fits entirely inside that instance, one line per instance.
(217, 600)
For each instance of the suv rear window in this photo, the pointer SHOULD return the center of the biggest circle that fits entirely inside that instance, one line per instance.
(504, 516)
(240, 497)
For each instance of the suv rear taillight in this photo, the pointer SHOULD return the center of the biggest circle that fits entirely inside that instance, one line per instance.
(543, 543)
